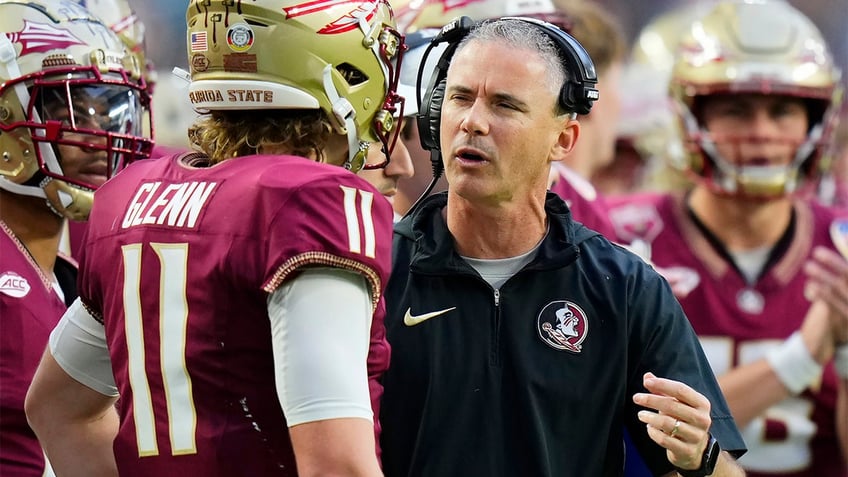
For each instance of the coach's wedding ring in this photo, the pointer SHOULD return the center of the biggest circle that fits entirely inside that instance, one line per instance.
(675, 429)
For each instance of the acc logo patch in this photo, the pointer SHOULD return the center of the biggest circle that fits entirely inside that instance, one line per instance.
(562, 325)
(14, 285)
(239, 37)
(200, 62)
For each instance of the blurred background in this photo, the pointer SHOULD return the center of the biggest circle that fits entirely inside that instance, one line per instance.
(165, 23)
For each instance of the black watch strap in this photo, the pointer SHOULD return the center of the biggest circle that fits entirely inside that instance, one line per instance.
(708, 460)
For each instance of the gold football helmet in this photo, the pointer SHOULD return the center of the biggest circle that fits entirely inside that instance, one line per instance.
(343, 58)
(71, 101)
(759, 47)
(656, 44)
(413, 15)
(122, 19)
(647, 124)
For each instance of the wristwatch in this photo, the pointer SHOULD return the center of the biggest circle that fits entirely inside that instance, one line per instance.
(708, 461)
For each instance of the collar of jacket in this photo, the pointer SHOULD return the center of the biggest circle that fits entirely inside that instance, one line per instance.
(433, 248)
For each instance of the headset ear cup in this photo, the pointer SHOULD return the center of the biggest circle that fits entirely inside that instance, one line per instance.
(428, 119)
(435, 127)
(436, 112)
(566, 97)
(573, 98)
(582, 103)
(578, 93)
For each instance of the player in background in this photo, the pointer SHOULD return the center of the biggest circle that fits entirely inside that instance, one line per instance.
(410, 189)
(646, 135)
(386, 179)
(833, 188)
(599, 31)
(120, 17)
(123, 20)
(71, 102)
(756, 266)
(240, 331)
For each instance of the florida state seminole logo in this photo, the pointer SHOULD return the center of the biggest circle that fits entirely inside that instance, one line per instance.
(563, 325)
(347, 22)
(40, 37)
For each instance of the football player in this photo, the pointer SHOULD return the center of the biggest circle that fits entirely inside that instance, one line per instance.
(71, 101)
(600, 33)
(399, 167)
(119, 16)
(227, 296)
(756, 266)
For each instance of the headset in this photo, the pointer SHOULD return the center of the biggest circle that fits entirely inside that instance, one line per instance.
(576, 95)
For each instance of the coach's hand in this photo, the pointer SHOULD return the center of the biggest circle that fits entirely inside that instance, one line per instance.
(682, 422)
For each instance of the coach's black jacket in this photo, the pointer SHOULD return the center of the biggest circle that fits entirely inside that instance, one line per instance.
(534, 379)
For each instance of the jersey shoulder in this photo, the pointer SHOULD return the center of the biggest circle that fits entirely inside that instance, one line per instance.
(324, 194)
(325, 215)
(640, 216)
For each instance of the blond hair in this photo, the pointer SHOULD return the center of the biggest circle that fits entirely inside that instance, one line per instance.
(223, 135)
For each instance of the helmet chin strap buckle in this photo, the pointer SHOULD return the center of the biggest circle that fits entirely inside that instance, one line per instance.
(344, 113)
(356, 159)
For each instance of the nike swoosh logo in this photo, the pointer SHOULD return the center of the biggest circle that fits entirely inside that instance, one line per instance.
(410, 320)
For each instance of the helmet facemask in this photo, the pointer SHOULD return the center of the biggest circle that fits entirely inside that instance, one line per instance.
(71, 101)
(387, 121)
(750, 49)
(719, 159)
(388, 48)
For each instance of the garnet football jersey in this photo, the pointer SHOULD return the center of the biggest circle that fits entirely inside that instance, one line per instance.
(29, 309)
(587, 206)
(738, 323)
(179, 262)
(76, 230)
